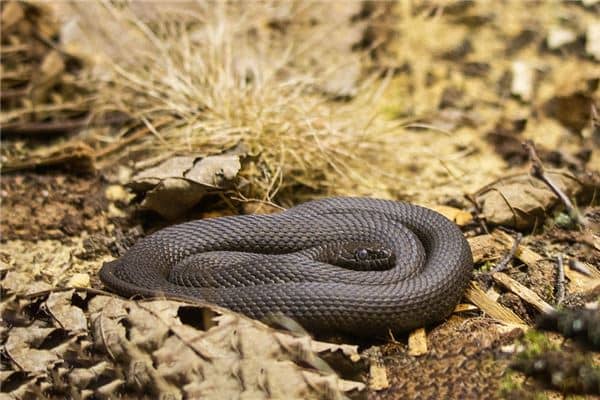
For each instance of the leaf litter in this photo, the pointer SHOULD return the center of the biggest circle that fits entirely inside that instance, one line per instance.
(427, 102)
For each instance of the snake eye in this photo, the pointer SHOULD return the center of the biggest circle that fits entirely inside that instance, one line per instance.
(362, 254)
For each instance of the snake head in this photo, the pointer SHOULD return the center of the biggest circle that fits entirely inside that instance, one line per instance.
(361, 256)
(363, 253)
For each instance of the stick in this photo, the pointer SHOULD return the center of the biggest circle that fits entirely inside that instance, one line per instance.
(560, 280)
(58, 127)
(503, 264)
(537, 171)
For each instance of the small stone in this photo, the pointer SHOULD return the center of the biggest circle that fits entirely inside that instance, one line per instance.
(558, 37)
(79, 280)
(592, 41)
(117, 193)
(115, 212)
(522, 82)
(509, 349)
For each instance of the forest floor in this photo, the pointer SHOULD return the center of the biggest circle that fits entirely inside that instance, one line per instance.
(270, 105)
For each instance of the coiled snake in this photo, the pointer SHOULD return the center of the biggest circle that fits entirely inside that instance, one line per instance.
(354, 265)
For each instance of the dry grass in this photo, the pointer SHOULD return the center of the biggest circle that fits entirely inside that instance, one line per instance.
(226, 78)
(250, 78)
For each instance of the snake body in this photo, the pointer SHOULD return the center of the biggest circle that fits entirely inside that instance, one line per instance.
(355, 265)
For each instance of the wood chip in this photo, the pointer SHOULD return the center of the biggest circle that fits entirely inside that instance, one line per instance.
(497, 311)
(484, 248)
(417, 342)
(494, 245)
(378, 379)
(458, 216)
(523, 253)
(465, 307)
(523, 292)
(579, 282)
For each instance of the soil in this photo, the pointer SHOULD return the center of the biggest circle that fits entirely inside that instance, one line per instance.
(58, 227)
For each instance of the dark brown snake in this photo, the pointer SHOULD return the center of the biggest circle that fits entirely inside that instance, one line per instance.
(355, 265)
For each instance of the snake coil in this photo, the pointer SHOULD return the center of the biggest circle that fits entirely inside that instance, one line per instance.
(355, 265)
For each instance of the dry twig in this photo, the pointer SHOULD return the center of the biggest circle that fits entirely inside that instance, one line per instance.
(560, 280)
(503, 264)
(538, 171)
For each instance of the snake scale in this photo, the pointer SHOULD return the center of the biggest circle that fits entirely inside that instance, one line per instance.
(355, 265)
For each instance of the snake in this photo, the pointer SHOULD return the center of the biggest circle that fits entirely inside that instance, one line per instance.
(354, 265)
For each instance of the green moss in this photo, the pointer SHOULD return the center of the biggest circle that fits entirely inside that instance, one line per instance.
(564, 220)
(509, 384)
(512, 388)
(486, 267)
(535, 343)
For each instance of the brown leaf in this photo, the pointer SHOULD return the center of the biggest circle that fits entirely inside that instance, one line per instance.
(20, 348)
(573, 110)
(522, 201)
(179, 183)
(68, 316)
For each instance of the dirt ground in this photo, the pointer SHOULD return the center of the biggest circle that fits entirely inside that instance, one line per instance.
(445, 97)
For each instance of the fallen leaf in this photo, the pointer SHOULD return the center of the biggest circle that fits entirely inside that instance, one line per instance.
(179, 183)
(70, 318)
(20, 348)
(571, 110)
(522, 201)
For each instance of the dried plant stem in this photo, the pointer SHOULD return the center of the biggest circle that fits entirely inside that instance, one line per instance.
(560, 280)
(503, 264)
(538, 171)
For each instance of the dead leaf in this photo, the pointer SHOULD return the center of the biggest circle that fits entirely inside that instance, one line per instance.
(20, 348)
(16, 281)
(522, 201)
(179, 183)
(572, 110)
(164, 348)
(68, 316)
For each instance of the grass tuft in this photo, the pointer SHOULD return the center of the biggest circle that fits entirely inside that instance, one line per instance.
(249, 79)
